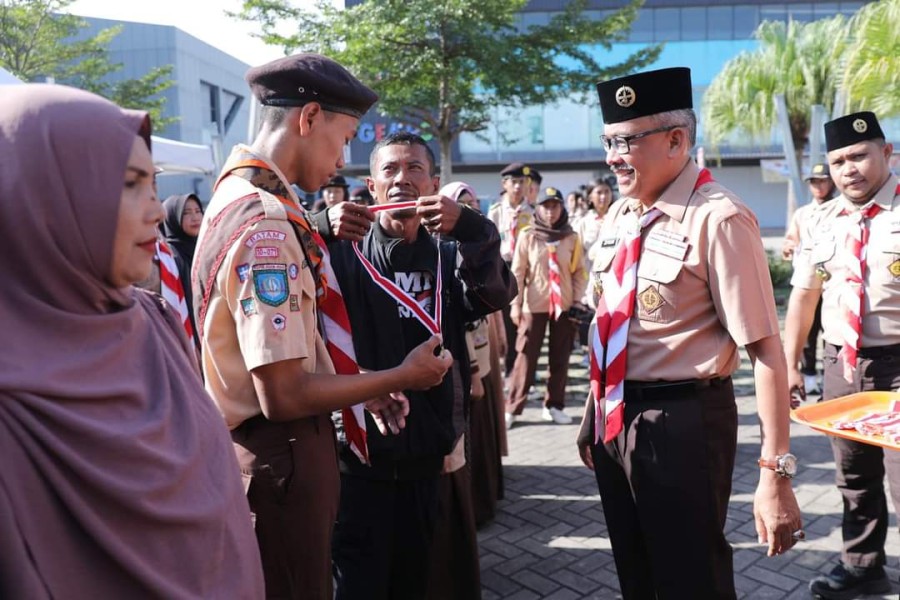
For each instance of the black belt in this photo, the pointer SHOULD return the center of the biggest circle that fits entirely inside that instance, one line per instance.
(656, 390)
(874, 351)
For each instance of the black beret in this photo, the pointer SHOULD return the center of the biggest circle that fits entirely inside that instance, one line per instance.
(516, 169)
(536, 176)
(336, 181)
(818, 171)
(852, 129)
(644, 94)
(302, 78)
(550, 193)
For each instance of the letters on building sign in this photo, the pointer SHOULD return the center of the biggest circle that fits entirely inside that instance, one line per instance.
(375, 132)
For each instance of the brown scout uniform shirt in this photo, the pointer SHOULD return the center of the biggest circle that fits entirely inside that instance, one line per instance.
(248, 324)
(703, 285)
(823, 238)
(502, 214)
(531, 268)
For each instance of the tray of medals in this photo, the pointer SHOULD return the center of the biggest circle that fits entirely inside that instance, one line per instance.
(867, 417)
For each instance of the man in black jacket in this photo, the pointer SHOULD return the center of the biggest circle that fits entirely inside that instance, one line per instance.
(387, 510)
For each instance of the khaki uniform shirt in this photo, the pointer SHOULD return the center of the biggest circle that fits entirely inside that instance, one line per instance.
(823, 240)
(703, 285)
(502, 215)
(531, 268)
(262, 309)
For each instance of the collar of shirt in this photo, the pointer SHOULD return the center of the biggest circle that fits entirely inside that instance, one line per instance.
(884, 197)
(292, 194)
(675, 199)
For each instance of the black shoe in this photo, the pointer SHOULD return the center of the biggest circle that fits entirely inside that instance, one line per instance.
(845, 583)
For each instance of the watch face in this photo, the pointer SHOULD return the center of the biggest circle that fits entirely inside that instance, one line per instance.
(788, 464)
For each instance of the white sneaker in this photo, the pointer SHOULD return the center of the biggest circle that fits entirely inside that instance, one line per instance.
(510, 419)
(556, 415)
(811, 384)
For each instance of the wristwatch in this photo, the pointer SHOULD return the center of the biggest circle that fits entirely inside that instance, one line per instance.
(784, 465)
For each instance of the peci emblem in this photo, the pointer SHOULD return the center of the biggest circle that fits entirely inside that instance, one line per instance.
(860, 126)
(270, 282)
(625, 96)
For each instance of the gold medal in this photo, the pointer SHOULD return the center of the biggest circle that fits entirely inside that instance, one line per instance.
(598, 288)
(822, 273)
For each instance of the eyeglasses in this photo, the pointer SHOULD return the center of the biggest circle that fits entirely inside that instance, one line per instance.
(622, 143)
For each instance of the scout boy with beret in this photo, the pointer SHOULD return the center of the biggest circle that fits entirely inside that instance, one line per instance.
(850, 258)
(683, 281)
(261, 284)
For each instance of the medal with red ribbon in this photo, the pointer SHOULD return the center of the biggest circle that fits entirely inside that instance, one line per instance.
(432, 324)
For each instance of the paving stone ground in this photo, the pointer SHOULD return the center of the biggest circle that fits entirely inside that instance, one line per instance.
(549, 539)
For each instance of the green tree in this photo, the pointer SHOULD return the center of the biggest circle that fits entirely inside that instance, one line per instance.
(798, 60)
(871, 75)
(446, 65)
(37, 41)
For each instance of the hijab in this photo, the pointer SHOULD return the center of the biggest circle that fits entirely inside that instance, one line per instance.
(552, 233)
(117, 475)
(456, 189)
(181, 243)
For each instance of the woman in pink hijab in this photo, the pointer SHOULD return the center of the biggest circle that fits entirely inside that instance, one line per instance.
(117, 476)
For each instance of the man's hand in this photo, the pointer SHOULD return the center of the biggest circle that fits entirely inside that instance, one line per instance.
(439, 213)
(796, 386)
(584, 451)
(350, 221)
(477, 389)
(515, 314)
(424, 370)
(787, 248)
(389, 412)
(776, 512)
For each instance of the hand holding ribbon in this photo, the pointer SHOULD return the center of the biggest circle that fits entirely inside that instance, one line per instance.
(439, 213)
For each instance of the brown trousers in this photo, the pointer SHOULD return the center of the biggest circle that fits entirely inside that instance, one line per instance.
(860, 468)
(528, 347)
(294, 488)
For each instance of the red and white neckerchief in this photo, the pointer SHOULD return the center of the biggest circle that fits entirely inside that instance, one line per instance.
(852, 300)
(170, 286)
(432, 324)
(554, 276)
(615, 308)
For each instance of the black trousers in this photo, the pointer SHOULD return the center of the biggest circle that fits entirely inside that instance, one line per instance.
(383, 537)
(808, 359)
(664, 483)
(860, 468)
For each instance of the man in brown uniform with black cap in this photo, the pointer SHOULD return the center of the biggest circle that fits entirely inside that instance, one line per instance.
(261, 282)
(684, 281)
(850, 257)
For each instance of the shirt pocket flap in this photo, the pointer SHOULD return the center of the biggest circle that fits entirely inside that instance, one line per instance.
(822, 251)
(603, 258)
(659, 268)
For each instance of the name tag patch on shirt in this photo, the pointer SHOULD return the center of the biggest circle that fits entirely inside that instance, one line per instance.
(270, 281)
(266, 252)
(668, 243)
(608, 242)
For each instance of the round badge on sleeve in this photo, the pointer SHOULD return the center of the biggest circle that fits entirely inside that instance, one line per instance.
(860, 126)
(279, 322)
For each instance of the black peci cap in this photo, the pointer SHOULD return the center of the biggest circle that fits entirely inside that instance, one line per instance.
(644, 94)
(302, 78)
(852, 129)
(336, 181)
(818, 171)
(550, 193)
(516, 169)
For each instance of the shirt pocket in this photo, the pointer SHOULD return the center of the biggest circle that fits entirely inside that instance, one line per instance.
(822, 251)
(656, 297)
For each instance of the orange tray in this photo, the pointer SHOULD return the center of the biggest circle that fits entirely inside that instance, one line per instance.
(819, 416)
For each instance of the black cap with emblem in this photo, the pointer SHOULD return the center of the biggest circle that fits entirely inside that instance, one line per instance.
(819, 171)
(551, 193)
(303, 78)
(644, 94)
(516, 169)
(336, 181)
(852, 129)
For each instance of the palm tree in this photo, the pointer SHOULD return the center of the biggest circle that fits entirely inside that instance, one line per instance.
(800, 61)
(871, 74)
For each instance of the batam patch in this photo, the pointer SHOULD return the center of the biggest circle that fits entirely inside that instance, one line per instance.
(267, 235)
(270, 282)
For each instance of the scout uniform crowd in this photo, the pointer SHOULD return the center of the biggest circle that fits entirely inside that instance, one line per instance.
(360, 356)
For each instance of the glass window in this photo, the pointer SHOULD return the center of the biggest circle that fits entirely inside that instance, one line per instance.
(801, 12)
(642, 28)
(719, 23)
(666, 25)
(693, 23)
(848, 8)
(566, 125)
(825, 9)
(531, 19)
(772, 13)
(746, 18)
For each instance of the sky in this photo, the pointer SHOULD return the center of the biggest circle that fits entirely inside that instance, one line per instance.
(203, 19)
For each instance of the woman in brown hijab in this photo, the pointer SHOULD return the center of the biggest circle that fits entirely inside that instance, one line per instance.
(117, 476)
